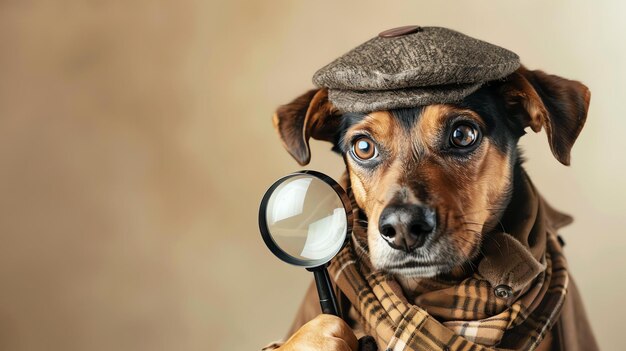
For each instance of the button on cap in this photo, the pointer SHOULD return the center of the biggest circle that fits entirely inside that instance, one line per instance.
(399, 31)
(503, 291)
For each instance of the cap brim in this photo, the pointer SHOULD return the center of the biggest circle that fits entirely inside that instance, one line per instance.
(379, 100)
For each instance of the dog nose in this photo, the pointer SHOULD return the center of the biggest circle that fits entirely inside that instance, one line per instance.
(406, 227)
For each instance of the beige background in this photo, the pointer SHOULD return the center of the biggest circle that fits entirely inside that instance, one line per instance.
(135, 144)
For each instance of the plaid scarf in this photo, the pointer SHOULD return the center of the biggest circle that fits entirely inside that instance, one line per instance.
(465, 314)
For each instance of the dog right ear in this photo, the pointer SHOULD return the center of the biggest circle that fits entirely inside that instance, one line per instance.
(557, 104)
(310, 115)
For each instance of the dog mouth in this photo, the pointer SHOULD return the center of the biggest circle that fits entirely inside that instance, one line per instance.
(420, 263)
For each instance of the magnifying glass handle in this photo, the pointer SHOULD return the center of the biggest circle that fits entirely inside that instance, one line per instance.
(328, 301)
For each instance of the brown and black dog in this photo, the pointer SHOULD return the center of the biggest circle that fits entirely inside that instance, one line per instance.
(431, 182)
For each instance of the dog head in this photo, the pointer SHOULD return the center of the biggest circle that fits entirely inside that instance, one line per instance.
(433, 180)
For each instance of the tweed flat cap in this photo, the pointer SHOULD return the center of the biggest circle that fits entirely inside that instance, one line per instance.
(412, 66)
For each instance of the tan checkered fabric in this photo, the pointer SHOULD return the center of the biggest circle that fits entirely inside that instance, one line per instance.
(471, 317)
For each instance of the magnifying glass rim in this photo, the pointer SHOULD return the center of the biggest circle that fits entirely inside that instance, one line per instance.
(267, 237)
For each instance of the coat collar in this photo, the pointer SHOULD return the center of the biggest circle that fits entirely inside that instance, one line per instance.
(515, 256)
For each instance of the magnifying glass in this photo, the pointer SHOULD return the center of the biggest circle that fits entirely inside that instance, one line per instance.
(305, 218)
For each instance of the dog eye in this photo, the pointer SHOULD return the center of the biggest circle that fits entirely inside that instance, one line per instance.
(364, 149)
(463, 135)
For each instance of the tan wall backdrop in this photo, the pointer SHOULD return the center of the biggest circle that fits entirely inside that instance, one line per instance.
(136, 142)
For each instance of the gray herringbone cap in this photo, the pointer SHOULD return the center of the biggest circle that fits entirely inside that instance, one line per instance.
(411, 67)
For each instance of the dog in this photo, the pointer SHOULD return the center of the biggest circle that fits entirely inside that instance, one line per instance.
(431, 182)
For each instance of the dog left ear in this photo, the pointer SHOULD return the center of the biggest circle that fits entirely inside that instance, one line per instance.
(310, 115)
(557, 104)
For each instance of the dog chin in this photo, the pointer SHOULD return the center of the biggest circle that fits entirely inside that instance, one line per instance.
(416, 272)
(412, 268)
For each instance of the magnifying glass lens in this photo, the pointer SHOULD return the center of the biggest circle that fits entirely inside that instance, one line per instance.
(305, 219)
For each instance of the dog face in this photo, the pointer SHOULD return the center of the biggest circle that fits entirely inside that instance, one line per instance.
(432, 181)
(428, 180)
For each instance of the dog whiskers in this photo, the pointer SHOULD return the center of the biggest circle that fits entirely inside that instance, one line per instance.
(492, 210)
(490, 238)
